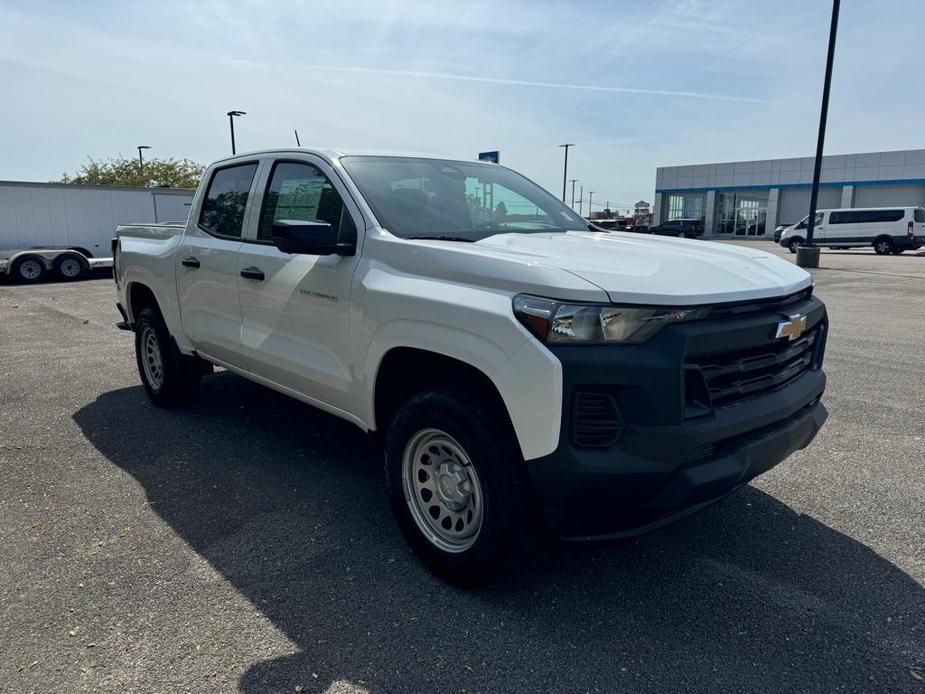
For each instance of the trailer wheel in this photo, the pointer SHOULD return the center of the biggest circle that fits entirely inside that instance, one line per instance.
(28, 269)
(70, 266)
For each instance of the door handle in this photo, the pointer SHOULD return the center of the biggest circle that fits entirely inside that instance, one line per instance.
(190, 262)
(252, 273)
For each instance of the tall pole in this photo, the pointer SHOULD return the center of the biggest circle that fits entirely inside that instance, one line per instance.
(581, 200)
(231, 117)
(823, 116)
(565, 168)
(297, 143)
(590, 198)
(573, 181)
(141, 161)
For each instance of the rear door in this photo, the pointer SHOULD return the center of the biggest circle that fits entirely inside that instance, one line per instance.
(295, 307)
(918, 224)
(207, 273)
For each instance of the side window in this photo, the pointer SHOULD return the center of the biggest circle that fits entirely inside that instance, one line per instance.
(919, 215)
(300, 191)
(226, 199)
(840, 218)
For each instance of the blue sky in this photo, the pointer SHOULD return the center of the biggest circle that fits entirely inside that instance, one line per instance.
(634, 84)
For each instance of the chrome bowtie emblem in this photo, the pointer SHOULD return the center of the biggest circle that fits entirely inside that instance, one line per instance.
(791, 328)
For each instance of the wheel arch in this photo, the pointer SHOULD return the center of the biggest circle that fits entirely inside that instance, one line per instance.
(406, 371)
(140, 296)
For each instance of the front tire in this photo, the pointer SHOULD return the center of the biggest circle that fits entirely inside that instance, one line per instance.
(170, 378)
(452, 481)
(793, 244)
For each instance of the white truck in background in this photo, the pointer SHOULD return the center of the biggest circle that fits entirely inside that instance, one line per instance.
(66, 230)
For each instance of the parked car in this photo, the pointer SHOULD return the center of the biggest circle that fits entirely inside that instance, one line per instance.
(513, 364)
(887, 229)
(778, 230)
(687, 228)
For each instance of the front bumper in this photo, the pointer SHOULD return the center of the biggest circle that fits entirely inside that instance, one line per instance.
(665, 464)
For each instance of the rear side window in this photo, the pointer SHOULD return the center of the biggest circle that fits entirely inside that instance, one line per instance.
(880, 215)
(920, 216)
(226, 200)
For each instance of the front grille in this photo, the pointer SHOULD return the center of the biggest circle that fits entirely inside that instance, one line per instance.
(774, 304)
(745, 373)
(596, 421)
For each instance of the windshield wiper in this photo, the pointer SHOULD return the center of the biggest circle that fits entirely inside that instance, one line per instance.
(441, 238)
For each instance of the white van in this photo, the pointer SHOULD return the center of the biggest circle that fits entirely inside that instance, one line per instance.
(887, 229)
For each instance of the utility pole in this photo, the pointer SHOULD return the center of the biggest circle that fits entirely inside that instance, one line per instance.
(573, 181)
(581, 200)
(590, 198)
(565, 168)
(231, 117)
(297, 143)
(808, 255)
(141, 161)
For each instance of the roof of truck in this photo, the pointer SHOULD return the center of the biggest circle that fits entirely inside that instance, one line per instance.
(334, 154)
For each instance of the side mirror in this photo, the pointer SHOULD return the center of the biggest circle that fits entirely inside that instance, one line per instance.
(310, 238)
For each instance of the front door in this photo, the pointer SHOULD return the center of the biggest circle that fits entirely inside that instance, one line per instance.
(295, 307)
(207, 265)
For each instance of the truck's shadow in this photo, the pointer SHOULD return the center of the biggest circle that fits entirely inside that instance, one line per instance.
(287, 503)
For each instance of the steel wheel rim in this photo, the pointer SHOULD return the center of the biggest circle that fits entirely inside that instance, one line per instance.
(883, 247)
(30, 269)
(151, 360)
(70, 267)
(442, 490)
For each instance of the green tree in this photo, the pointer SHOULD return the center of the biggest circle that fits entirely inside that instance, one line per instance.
(120, 171)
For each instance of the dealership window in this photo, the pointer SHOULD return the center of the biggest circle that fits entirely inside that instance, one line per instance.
(742, 213)
(684, 206)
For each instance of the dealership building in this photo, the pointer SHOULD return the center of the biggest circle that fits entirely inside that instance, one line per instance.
(750, 198)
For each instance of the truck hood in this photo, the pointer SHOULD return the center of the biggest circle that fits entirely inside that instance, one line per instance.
(634, 268)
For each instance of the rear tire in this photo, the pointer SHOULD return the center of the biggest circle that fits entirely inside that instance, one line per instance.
(71, 266)
(29, 269)
(452, 478)
(170, 378)
(883, 245)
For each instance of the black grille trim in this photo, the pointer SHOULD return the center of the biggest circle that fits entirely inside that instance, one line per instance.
(596, 421)
(773, 304)
(740, 374)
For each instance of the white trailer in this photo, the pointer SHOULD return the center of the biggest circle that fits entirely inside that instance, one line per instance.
(68, 229)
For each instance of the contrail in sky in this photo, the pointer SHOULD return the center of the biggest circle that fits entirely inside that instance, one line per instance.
(531, 83)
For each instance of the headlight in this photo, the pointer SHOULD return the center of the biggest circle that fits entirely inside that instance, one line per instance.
(554, 322)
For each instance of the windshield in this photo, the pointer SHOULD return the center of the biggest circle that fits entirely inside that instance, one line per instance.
(433, 198)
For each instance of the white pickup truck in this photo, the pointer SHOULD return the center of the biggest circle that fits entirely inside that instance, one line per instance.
(511, 357)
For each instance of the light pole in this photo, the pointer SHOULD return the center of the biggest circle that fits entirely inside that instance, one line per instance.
(581, 200)
(590, 198)
(231, 117)
(565, 168)
(808, 255)
(141, 161)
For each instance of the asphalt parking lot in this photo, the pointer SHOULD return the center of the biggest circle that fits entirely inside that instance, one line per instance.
(246, 543)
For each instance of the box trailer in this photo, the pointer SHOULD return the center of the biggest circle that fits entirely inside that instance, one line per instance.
(67, 229)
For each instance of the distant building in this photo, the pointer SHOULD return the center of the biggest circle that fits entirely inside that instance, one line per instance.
(750, 198)
(642, 214)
